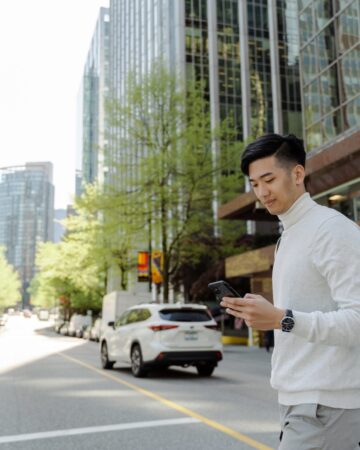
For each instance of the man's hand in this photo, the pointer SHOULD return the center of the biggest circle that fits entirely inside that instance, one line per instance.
(257, 312)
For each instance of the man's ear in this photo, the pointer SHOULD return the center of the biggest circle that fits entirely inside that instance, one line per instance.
(299, 174)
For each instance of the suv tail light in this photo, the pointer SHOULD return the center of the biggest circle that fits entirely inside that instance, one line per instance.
(212, 327)
(162, 327)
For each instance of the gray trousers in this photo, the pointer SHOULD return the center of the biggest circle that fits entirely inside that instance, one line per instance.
(318, 427)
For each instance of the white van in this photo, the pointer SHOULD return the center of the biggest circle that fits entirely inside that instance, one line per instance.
(77, 322)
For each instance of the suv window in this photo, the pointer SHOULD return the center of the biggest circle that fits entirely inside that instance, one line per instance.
(132, 317)
(185, 315)
(122, 319)
(138, 315)
(143, 314)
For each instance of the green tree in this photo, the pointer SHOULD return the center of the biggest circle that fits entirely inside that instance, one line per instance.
(118, 225)
(74, 270)
(9, 283)
(166, 170)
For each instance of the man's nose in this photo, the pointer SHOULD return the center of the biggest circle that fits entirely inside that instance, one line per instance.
(263, 190)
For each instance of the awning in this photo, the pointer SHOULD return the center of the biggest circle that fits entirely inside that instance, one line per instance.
(250, 263)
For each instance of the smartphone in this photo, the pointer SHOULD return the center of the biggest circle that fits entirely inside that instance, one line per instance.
(223, 289)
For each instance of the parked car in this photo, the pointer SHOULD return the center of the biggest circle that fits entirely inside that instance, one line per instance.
(86, 333)
(58, 324)
(159, 335)
(64, 328)
(95, 331)
(79, 332)
(77, 321)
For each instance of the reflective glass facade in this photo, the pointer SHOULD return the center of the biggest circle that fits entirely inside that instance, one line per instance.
(181, 32)
(225, 44)
(94, 89)
(196, 42)
(26, 215)
(228, 44)
(260, 68)
(141, 32)
(289, 63)
(330, 58)
(345, 199)
(226, 59)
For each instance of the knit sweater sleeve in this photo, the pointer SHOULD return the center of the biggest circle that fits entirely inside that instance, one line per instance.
(336, 256)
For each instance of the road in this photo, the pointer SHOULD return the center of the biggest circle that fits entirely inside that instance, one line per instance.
(55, 395)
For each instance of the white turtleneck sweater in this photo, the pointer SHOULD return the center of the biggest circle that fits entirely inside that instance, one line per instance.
(317, 275)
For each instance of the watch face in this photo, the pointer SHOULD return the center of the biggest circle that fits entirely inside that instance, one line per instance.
(287, 324)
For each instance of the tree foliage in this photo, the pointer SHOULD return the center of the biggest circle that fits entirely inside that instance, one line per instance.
(167, 172)
(72, 272)
(164, 176)
(9, 283)
(119, 225)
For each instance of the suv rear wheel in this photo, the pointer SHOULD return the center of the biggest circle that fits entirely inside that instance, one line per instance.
(106, 364)
(205, 370)
(137, 364)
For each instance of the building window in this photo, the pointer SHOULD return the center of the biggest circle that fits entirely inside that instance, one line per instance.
(345, 199)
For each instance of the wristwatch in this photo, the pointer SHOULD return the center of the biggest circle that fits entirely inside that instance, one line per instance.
(287, 322)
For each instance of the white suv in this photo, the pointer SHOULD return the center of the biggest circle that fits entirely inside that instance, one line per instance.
(161, 335)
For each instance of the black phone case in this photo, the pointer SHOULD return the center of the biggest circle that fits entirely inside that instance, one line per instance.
(222, 289)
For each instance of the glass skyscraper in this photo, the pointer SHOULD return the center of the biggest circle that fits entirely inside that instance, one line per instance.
(94, 90)
(330, 61)
(330, 96)
(246, 53)
(26, 216)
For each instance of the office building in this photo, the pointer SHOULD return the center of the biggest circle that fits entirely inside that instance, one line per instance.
(330, 59)
(79, 188)
(246, 54)
(26, 216)
(330, 86)
(59, 230)
(250, 69)
(94, 88)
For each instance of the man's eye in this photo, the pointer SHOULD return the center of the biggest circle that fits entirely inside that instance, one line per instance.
(254, 185)
(269, 181)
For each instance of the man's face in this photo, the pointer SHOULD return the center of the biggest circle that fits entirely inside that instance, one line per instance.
(275, 186)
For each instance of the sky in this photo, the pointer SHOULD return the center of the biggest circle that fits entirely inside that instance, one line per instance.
(43, 48)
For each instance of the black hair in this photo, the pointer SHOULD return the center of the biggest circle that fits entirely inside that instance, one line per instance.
(288, 150)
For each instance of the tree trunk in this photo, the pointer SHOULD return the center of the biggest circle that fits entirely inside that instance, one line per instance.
(166, 256)
(166, 280)
(123, 281)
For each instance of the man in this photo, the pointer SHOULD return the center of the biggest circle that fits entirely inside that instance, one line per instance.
(316, 311)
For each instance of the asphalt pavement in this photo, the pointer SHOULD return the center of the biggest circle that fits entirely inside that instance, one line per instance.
(54, 395)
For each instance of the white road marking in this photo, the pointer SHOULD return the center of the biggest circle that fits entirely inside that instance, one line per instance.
(100, 429)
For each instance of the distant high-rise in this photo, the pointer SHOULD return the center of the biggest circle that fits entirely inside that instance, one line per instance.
(78, 183)
(26, 215)
(59, 230)
(93, 92)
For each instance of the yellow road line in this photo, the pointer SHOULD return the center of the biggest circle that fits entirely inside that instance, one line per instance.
(211, 423)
